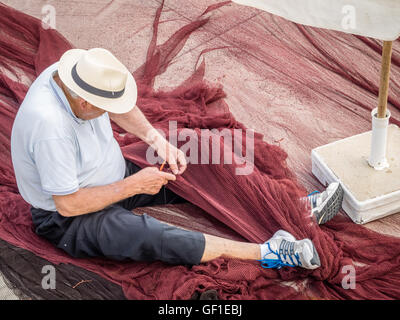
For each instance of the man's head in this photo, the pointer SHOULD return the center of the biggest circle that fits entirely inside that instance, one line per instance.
(95, 81)
(81, 108)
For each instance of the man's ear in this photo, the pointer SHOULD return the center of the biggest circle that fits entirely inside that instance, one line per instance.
(83, 104)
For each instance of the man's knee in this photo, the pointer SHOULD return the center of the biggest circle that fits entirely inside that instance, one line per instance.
(181, 246)
(130, 236)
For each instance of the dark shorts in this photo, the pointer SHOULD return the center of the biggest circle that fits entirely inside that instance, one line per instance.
(117, 233)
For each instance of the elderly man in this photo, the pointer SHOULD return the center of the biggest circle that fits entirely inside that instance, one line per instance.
(71, 170)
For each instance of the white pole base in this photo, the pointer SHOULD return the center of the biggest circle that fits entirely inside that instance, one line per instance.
(377, 158)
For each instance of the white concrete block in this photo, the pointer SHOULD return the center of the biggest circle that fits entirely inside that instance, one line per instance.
(369, 194)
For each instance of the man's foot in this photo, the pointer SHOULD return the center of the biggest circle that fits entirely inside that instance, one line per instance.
(284, 250)
(325, 205)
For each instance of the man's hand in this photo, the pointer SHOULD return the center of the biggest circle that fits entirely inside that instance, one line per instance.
(150, 180)
(136, 123)
(175, 157)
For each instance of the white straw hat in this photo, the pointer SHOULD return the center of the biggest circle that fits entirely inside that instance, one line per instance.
(97, 76)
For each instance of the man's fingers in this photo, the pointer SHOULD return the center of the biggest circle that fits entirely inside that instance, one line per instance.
(172, 161)
(174, 168)
(182, 162)
(177, 162)
(168, 176)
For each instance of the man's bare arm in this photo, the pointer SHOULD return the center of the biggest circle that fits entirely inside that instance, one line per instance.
(86, 200)
(136, 123)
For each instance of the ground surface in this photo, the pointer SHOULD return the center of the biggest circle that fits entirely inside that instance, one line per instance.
(125, 28)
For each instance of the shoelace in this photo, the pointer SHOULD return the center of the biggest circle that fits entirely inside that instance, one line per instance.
(313, 196)
(286, 249)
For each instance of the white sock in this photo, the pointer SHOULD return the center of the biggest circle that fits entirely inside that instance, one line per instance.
(264, 250)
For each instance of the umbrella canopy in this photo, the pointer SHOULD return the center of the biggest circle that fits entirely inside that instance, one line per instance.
(378, 19)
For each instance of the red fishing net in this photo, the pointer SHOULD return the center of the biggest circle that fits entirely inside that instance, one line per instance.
(254, 206)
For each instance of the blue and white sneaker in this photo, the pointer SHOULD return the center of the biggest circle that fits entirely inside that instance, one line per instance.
(283, 250)
(327, 204)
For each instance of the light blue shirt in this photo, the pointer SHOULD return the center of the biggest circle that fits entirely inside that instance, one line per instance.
(54, 152)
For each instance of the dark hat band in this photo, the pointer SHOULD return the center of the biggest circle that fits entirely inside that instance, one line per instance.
(98, 92)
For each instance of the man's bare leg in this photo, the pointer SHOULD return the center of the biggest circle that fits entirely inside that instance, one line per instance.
(217, 247)
(281, 250)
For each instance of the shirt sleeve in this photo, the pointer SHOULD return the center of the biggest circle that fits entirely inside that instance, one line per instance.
(56, 164)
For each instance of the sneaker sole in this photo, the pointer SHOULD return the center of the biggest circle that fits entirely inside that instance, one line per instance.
(315, 261)
(331, 208)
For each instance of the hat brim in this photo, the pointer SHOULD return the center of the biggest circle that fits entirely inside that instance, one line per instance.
(123, 104)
